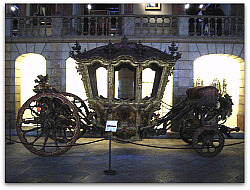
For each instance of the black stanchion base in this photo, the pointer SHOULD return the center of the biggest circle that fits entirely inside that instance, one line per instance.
(110, 172)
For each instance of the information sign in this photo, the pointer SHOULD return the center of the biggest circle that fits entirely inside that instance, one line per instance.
(111, 126)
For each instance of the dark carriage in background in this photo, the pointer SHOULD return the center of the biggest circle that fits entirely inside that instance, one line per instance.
(50, 122)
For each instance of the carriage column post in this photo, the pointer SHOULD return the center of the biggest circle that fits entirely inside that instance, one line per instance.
(111, 82)
(138, 97)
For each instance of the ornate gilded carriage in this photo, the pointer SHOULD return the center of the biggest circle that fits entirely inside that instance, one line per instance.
(124, 63)
(50, 122)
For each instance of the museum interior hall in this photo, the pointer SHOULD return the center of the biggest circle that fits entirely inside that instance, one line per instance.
(141, 70)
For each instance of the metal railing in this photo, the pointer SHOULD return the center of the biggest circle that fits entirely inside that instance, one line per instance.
(130, 25)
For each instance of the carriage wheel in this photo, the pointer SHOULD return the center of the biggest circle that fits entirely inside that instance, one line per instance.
(208, 141)
(88, 119)
(187, 130)
(48, 124)
(78, 102)
(83, 111)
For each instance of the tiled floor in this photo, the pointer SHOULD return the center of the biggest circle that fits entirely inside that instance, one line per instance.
(134, 164)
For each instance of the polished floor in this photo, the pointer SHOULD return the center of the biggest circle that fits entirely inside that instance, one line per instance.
(133, 164)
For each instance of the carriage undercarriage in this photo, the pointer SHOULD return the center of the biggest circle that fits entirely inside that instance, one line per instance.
(50, 122)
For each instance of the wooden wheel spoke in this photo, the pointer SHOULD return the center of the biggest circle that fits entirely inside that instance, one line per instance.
(66, 121)
(65, 136)
(59, 108)
(31, 130)
(208, 149)
(45, 140)
(55, 140)
(38, 137)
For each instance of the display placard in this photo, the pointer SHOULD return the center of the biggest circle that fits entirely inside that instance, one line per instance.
(111, 126)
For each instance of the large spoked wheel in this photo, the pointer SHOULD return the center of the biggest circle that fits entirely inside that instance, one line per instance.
(48, 124)
(88, 118)
(83, 111)
(187, 130)
(208, 141)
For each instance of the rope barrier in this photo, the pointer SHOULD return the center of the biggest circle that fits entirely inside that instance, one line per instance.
(115, 140)
(153, 146)
(78, 144)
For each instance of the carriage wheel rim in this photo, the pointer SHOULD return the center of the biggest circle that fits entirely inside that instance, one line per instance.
(208, 141)
(23, 138)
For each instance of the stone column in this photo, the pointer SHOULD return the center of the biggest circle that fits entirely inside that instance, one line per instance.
(76, 23)
(54, 66)
(57, 26)
(8, 27)
(182, 77)
(128, 28)
(241, 105)
(183, 22)
(12, 94)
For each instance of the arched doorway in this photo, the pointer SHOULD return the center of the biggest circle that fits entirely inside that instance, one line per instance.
(74, 83)
(227, 72)
(27, 67)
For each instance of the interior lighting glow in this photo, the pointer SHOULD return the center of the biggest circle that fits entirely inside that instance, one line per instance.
(102, 83)
(74, 83)
(31, 66)
(221, 67)
(201, 5)
(148, 76)
(89, 7)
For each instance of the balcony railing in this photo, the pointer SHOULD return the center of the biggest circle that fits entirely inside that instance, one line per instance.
(216, 26)
(129, 25)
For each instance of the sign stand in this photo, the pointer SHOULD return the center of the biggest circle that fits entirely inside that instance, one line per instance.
(111, 128)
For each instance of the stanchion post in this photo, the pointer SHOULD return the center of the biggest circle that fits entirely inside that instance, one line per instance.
(10, 141)
(111, 126)
(110, 171)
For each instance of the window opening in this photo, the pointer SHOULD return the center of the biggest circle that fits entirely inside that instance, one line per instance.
(148, 77)
(125, 80)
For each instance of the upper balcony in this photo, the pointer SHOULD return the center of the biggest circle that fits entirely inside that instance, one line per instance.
(181, 28)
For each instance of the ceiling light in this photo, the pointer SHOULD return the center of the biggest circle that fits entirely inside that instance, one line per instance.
(13, 8)
(187, 6)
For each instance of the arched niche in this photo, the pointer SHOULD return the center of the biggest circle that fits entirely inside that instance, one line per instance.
(27, 67)
(228, 72)
(74, 83)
